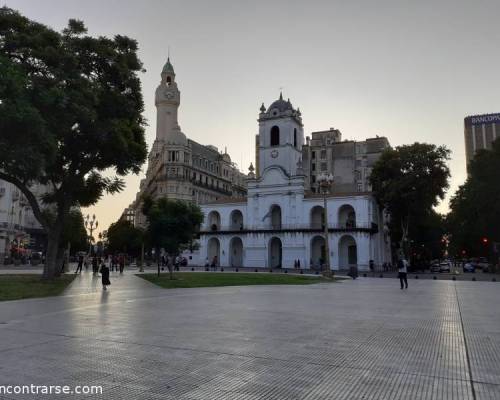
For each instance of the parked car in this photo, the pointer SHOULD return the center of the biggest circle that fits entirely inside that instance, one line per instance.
(440, 267)
(483, 264)
(469, 267)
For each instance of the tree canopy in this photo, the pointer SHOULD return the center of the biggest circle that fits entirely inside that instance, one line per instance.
(70, 110)
(474, 218)
(74, 232)
(122, 236)
(172, 224)
(408, 182)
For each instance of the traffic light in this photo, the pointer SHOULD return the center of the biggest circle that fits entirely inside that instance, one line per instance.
(484, 240)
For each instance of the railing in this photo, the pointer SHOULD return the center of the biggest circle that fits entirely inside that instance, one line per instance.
(311, 227)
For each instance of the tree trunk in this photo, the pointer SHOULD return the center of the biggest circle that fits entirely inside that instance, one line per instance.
(53, 258)
(51, 269)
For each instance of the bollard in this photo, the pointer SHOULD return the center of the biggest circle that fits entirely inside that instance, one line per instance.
(270, 270)
(434, 277)
(454, 278)
(364, 275)
(221, 269)
(256, 270)
(473, 279)
(416, 276)
(286, 271)
(381, 275)
(237, 270)
(192, 268)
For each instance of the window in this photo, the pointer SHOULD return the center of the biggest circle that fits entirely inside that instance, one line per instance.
(313, 178)
(294, 137)
(275, 136)
(323, 166)
(323, 154)
(313, 167)
(313, 155)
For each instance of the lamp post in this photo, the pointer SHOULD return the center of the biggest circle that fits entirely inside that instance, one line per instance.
(91, 224)
(325, 182)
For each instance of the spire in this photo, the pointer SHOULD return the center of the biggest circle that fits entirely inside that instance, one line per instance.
(281, 95)
(168, 68)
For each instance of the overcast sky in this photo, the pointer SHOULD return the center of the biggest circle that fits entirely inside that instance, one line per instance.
(408, 70)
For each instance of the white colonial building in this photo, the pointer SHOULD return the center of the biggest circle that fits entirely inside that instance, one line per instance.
(281, 221)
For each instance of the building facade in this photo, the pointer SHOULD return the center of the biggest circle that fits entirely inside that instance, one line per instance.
(281, 221)
(350, 162)
(480, 131)
(19, 229)
(180, 168)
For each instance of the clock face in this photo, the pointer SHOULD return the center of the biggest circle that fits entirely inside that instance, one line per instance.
(169, 95)
(274, 153)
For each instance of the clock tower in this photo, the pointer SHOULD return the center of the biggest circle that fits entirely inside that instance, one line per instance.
(167, 101)
(281, 136)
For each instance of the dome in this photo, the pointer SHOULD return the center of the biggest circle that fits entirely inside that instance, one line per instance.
(281, 104)
(168, 68)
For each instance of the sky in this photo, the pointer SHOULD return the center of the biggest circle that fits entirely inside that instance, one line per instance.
(408, 70)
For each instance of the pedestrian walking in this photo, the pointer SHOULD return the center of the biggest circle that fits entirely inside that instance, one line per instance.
(207, 264)
(214, 263)
(121, 262)
(95, 265)
(80, 264)
(403, 272)
(105, 276)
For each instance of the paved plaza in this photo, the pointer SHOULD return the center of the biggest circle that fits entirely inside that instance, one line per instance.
(363, 339)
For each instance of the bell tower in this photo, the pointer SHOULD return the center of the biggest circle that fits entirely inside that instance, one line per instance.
(281, 136)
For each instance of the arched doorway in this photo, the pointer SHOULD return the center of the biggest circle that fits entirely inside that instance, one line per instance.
(347, 216)
(276, 217)
(236, 252)
(214, 220)
(348, 252)
(275, 253)
(318, 255)
(317, 217)
(213, 250)
(236, 220)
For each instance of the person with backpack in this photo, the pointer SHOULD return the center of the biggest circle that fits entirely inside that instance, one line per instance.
(403, 272)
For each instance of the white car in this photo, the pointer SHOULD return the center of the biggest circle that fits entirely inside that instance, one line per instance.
(441, 267)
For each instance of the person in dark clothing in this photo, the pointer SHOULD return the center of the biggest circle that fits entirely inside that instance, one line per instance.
(105, 276)
(402, 272)
(80, 264)
(95, 265)
(121, 262)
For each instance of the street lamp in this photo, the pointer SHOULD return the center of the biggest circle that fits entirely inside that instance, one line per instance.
(325, 182)
(90, 224)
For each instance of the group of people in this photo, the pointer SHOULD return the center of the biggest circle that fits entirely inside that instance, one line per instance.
(101, 265)
(171, 261)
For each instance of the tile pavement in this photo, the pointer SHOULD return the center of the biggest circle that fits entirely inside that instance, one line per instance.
(363, 339)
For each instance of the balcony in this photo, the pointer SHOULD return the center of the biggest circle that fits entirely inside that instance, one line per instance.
(367, 227)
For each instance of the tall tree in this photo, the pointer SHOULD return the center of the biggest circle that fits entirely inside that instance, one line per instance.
(408, 182)
(70, 109)
(122, 236)
(474, 218)
(74, 232)
(171, 224)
